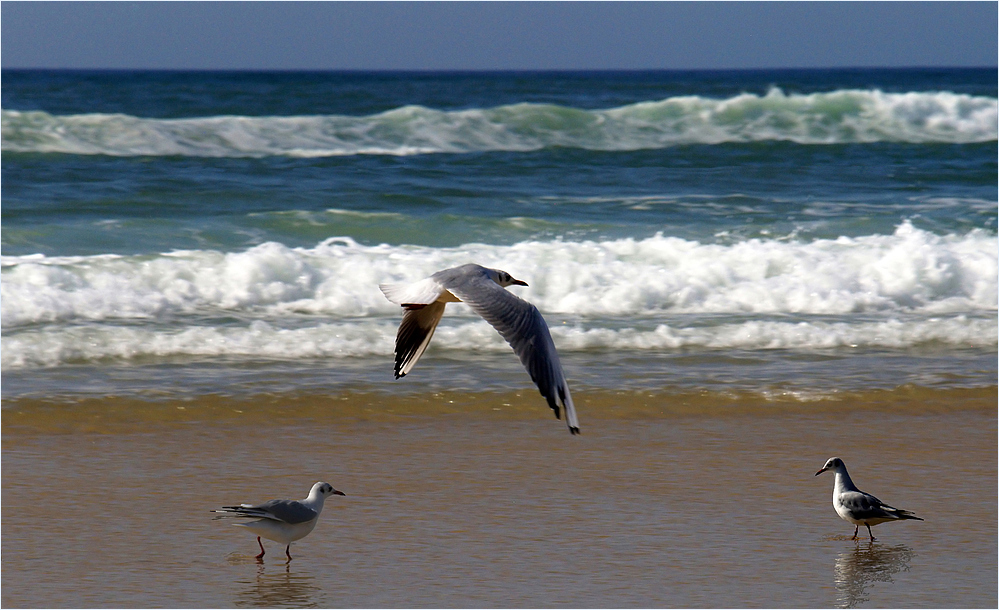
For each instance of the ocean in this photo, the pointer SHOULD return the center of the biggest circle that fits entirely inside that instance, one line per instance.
(771, 231)
(178, 247)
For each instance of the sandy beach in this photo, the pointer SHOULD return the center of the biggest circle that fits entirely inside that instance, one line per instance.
(484, 500)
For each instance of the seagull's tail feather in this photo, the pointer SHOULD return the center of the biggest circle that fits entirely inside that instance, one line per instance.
(905, 514)
(394, 292)
(900, 514)
(423, 292)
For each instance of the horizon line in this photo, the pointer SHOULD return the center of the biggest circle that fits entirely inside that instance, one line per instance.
(496, 70)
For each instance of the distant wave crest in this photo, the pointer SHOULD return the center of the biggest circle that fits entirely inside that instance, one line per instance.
(838, 117)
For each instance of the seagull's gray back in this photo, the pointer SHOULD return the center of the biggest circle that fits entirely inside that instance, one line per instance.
(289, 511)
(863, 505)
(459, 276)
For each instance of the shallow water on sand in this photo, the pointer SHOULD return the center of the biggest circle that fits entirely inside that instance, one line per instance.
(466, 510)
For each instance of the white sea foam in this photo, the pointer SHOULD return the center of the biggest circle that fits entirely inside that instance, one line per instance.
(375, 338)
(259, 339)
(906, 289)
(846, 116)
(910, 271)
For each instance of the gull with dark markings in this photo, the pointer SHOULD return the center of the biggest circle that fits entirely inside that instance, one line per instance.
(858, 507)
(283, 521)
(483, 289)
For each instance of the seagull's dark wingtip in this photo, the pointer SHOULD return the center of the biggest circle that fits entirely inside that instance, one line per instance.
(573, 430)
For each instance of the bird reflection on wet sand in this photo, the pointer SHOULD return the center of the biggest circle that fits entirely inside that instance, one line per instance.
(865, 565)
(278, 587)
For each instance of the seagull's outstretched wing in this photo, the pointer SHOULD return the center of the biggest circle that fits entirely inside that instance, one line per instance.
(285, 511)
(424, 310)
(417, 328)
(523, 327)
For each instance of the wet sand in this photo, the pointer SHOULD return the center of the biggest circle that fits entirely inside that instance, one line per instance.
(486, 501)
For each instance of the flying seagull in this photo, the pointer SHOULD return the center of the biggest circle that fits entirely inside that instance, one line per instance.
(857, 507)
(519, 322)
(282, 521)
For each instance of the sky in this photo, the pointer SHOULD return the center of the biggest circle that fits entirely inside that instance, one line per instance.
(495, 36)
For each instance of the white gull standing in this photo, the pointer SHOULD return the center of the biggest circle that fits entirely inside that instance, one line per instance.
(858, 507)
(283, 521)
(519, 322)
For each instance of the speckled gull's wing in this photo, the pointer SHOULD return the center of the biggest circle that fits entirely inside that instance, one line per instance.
(523, 327)
(286, 511)
(417, 328)
(423, 313)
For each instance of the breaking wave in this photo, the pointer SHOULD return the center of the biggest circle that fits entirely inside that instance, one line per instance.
(895, 291)
(839, 117)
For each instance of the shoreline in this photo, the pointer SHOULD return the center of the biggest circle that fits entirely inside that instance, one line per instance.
(111, 415)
